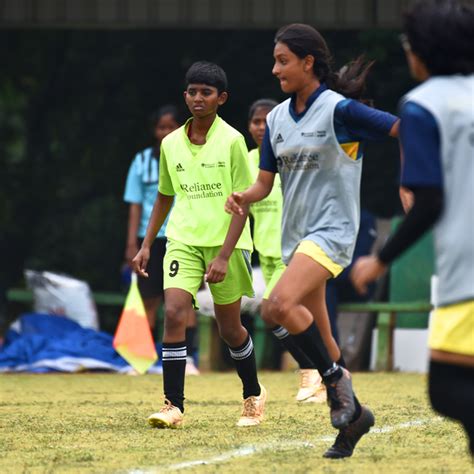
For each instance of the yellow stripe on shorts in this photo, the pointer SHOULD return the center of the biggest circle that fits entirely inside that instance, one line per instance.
(313, 250)
(452, 329)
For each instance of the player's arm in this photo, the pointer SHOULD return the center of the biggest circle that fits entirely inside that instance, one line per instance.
(422, 175)
(133, 195)
(362, 122)
(241, 178)
(134, 216)
(262, 187)
(161, 208)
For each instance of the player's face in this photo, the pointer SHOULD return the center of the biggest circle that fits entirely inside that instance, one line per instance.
(257, 124)
(165, 126)
(203, 100)
(291, 70)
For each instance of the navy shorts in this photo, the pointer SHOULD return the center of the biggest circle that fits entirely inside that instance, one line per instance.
(152, 287)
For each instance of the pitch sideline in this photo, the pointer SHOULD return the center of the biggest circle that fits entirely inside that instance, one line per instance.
(282, 446)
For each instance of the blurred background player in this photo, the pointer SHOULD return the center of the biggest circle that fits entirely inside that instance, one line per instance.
(267, 242)
(140, 192)
(437, 136)
(313, 140)
(201, 163)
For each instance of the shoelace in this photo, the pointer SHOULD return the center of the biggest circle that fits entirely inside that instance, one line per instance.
(305, 379)
(168, 407)
(250, 407)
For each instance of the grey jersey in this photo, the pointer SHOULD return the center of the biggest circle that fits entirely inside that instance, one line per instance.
(450, 100)
(320, 182)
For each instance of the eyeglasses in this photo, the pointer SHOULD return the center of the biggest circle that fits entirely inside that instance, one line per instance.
(404, 41)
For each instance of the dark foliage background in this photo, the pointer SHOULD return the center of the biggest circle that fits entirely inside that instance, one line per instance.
(74, 109)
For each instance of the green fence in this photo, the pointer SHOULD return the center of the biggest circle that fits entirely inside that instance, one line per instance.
(209, 341)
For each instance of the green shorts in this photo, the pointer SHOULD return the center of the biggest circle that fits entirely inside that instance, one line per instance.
(272, 269)
(184, 267)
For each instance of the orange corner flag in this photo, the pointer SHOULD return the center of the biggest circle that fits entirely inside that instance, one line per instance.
(133, 339)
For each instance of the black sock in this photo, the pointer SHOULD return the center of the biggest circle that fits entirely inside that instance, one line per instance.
(174, 366)
(451, 391)
(244, 360)
(358, 409)
(312, 344)
(287, 341)
(190, 338)
(342, 362)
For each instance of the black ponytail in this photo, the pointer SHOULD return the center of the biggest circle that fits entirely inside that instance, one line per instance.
(304, 40)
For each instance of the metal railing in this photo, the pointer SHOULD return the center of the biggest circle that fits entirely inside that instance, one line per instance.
(386, 322)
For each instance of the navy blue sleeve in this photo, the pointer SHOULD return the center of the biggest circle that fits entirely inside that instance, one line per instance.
(267, 158)
(419, 135)
(356, 121)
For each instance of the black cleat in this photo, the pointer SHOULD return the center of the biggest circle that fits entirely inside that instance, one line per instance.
(349, 436)
(341, 400)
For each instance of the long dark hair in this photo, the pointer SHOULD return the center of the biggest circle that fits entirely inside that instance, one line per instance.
(304, 40)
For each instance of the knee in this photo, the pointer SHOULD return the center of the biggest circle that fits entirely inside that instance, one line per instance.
(175, 317)
(232, 335)
(277, 310)
(266, 314)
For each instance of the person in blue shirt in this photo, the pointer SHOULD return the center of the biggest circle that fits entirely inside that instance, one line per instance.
(314, 141)
(437, 138)
(140, 193)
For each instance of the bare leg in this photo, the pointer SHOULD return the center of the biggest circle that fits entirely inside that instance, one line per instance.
(151, 307)
(302, 277)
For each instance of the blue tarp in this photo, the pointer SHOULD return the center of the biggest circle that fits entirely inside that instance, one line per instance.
(45, 343)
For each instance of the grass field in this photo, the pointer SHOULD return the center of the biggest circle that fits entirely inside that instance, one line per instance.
(96, 423)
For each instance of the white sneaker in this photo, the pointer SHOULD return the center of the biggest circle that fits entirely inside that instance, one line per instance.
(312, 389)
(191, 368)
(254, 407)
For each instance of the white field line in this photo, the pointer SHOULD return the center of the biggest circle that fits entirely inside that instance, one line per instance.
(277, 446)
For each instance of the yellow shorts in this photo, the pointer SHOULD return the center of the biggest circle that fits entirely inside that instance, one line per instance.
(452, 329)
(313, 250)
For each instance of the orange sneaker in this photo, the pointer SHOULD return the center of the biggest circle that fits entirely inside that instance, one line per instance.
(168, 417)
(254, 407)
(311, 388)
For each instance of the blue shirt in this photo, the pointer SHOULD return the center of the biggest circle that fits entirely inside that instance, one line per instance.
(142, 188)
(420, 138)
(354, 122)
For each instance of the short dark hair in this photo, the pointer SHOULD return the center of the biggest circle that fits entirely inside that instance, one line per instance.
(204, 72)
(168, 109)
(441, 34)
(261, 103)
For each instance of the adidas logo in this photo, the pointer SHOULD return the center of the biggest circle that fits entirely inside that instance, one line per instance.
(179, 167)
(279, 138)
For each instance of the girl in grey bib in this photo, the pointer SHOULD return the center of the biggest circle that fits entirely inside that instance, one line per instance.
(313, 141)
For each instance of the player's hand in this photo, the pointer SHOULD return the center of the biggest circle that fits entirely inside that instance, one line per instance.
(216, 270)
(234, 204)
(130, 252)
(365, 271)
(140, 262)
(407, 198)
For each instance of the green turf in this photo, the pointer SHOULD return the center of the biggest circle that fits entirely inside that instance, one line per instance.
(96, 423)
